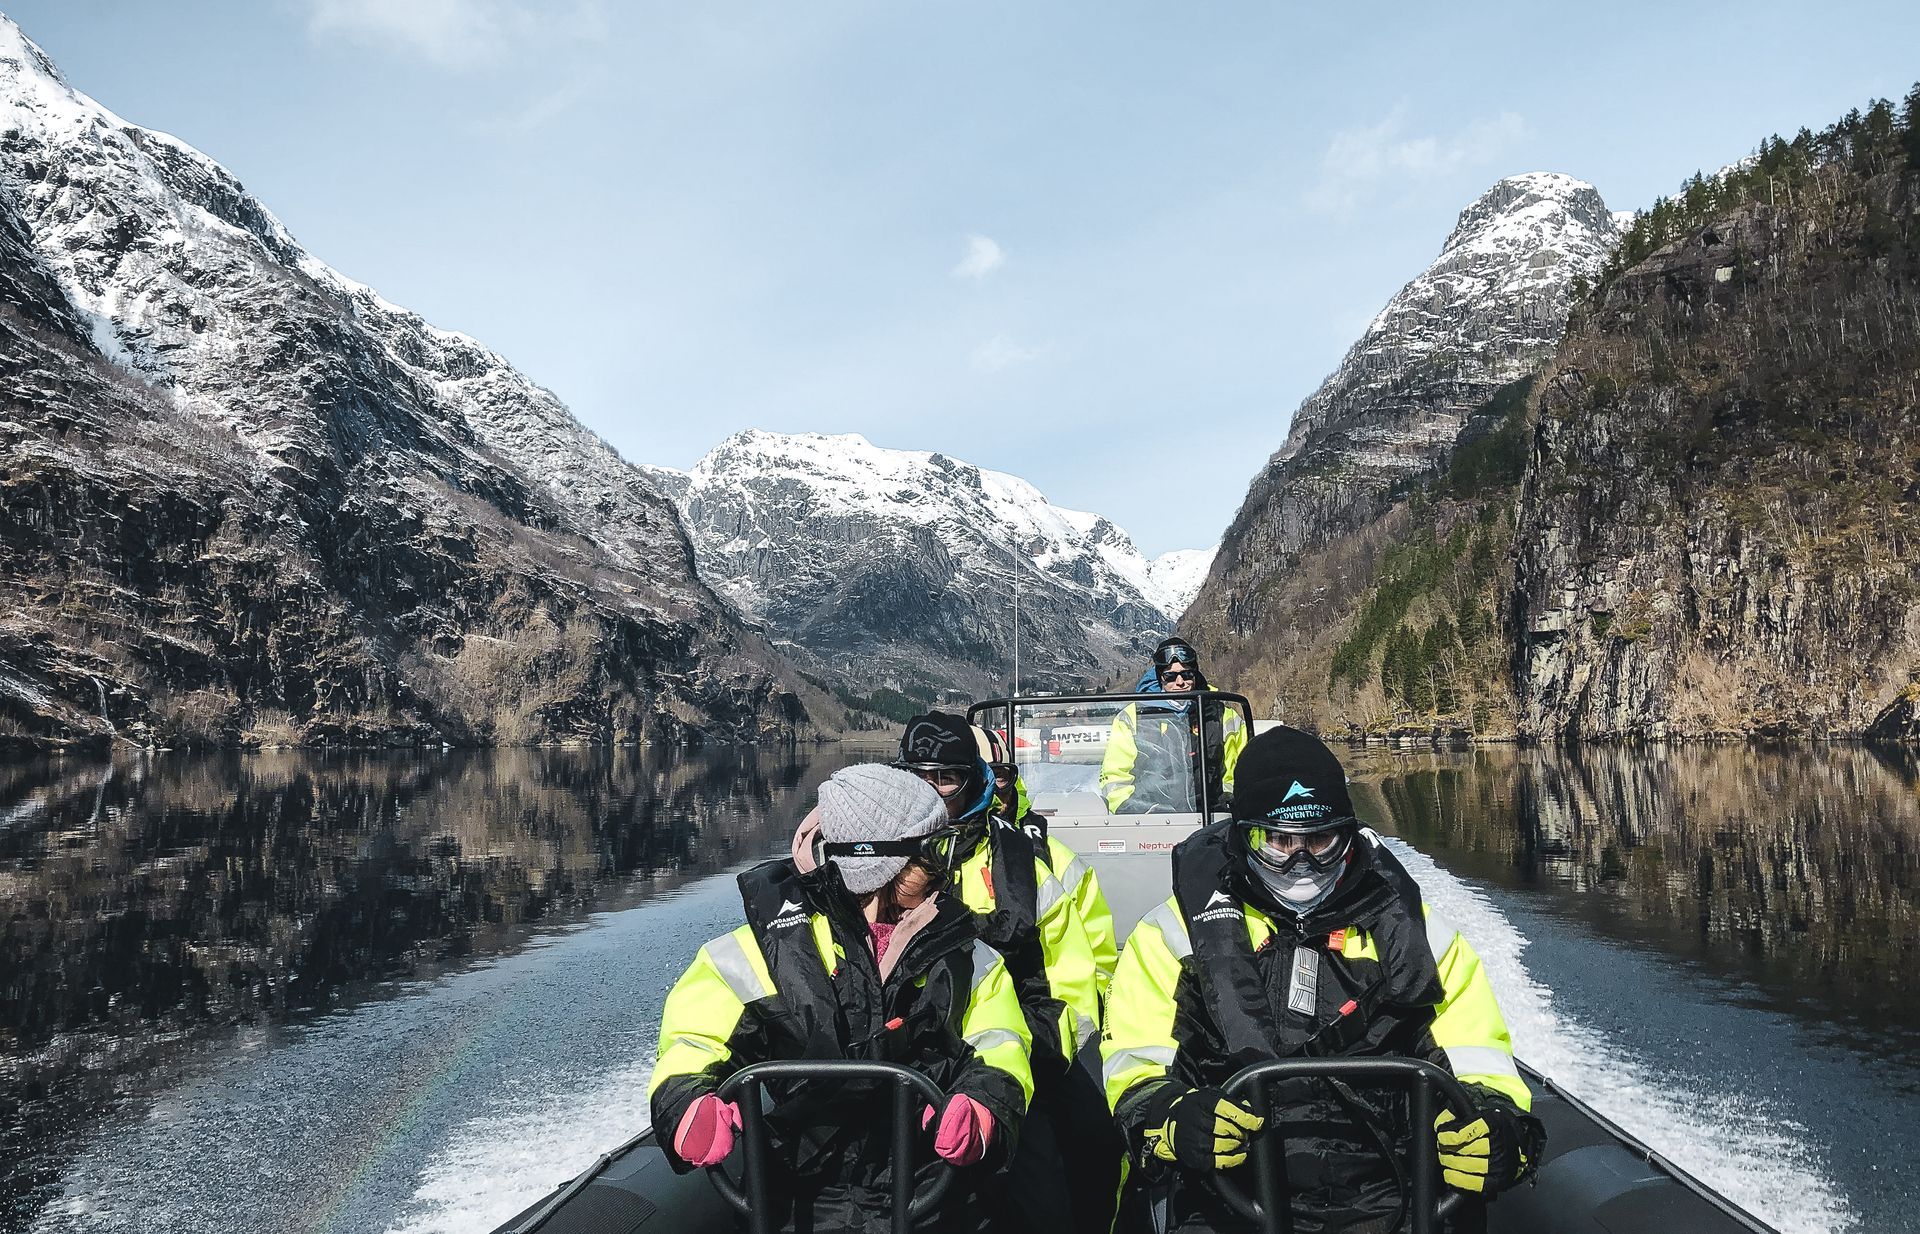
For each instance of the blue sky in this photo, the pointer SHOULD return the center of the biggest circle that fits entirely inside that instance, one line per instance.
(1103, 246)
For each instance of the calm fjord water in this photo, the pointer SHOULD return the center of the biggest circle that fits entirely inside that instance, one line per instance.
(286, 992)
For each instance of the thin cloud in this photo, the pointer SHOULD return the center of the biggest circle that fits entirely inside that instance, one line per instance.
(1362, 161)
(1001, 352)
(451, 33)
(984, 256)
(537, 113)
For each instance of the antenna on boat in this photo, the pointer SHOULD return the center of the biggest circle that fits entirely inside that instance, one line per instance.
(1014, 545)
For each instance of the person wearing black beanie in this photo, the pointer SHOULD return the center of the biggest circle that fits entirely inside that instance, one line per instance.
(1294, 931)
(1023, 911)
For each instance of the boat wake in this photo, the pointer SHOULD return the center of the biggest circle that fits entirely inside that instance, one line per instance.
(492, 1167)
(1741, 1145)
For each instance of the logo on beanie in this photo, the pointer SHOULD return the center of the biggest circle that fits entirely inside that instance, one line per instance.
(926, 739)
(1298, 790)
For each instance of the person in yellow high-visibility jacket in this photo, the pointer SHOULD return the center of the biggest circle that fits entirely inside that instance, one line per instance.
(1293, 931)
(1025, 913)
(852, 950)
(1154, 750)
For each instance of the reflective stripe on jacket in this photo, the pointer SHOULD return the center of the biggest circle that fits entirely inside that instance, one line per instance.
(1083, 888)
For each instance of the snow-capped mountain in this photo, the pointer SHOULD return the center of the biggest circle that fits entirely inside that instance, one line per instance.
(1488, 311)
(378, 521)
(1177, 576)
(906, 559)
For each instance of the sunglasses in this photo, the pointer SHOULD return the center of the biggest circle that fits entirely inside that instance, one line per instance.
(1177, 674)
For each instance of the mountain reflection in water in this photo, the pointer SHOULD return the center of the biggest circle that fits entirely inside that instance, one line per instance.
(1795, 872)
(147, 903)
(1725, 927)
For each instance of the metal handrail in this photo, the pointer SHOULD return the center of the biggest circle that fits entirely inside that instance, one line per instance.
(1422, 1080)
(1133, 696)
(745, 1086)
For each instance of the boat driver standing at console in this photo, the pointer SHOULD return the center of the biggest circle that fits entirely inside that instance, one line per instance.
(1153, 749)
(1293, 931)
(851, 951)
(1027, 914)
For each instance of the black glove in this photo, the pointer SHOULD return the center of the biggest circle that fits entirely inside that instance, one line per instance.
(1498, 1148)
(1198, 1128)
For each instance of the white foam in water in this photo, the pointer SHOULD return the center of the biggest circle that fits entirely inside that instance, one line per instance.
(1737, 1145)
(493, 1167)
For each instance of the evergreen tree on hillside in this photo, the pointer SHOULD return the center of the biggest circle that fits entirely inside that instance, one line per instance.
(1910, 129)
(1868, 143)
(1874, 150)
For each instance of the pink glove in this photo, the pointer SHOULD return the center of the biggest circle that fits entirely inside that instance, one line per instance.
(705, 1134)
(966, 1128)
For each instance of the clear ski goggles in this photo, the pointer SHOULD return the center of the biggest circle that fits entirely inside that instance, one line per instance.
(1285, 851)
(937, 849)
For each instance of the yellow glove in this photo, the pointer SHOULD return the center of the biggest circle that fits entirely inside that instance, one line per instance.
(1485, 1155)
(1204, 1129)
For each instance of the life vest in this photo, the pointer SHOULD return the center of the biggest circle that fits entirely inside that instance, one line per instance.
(1394, 989)
(912, 1018)
(844, 1012)
(1014, 888)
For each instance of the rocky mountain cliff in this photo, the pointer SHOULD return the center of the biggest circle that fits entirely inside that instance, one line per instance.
(1418, 384)
(1719, 527)
(244, 498)
(1697, 520)
(901, 564)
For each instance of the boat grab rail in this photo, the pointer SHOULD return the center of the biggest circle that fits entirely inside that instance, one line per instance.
(747, 1087)
(1423, 1082)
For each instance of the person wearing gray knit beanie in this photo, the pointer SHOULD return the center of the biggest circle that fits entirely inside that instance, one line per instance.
(870, 803)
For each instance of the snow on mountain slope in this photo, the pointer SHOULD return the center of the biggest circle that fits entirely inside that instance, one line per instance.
(856, 551)
(415, 479)
(1489, 309)
(1177, 576)
(1306, 544)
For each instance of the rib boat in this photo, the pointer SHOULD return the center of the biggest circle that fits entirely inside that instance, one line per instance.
(1595, 1178)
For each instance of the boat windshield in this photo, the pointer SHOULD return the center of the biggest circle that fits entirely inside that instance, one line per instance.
(1121, 779)
(1099, 756)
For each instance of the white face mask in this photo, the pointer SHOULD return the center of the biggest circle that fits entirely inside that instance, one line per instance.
(1304, 887)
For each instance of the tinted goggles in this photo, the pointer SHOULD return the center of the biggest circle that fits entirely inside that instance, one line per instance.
(936, 848)
(1285, 852)
(1179, 653)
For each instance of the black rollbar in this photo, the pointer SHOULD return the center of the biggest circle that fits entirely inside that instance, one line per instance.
(1423, 1082)
(746, 1087)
